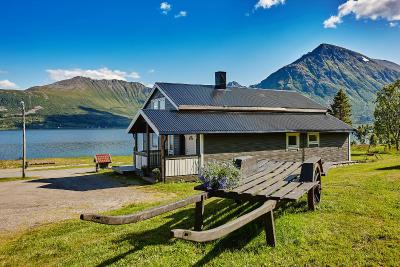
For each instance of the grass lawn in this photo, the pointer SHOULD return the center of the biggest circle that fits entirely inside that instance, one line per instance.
(356, 224)
(9, 179)
(7, 164)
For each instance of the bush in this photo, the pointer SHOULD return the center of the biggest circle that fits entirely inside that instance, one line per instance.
(157, 174)
(219, 175)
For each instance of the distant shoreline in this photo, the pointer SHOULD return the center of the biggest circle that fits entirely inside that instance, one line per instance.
(64, 128)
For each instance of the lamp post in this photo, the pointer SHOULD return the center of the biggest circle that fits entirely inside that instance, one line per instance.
(23, 140)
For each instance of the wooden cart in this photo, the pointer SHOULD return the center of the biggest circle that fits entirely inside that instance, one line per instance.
(265, 181)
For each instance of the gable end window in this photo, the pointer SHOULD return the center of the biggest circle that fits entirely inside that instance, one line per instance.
(158, 103)
(313, 139)
(292, 141)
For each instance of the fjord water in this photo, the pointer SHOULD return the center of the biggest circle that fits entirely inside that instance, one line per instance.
(65, 143)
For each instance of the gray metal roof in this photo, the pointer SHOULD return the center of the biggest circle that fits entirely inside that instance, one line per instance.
(207, 95)
(178, 122)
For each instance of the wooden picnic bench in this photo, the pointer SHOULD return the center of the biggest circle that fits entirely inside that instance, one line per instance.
(267, 182)
(102, 161)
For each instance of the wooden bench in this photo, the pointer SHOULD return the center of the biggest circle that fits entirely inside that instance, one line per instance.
(102, 161)
(39, 163)
(269, 182)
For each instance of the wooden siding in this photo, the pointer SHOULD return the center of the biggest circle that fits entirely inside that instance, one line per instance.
(180, 166)
(333, 147)
(158, 94)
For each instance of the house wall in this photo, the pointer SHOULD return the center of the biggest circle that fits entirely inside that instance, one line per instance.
(158, 94)
(333, 147)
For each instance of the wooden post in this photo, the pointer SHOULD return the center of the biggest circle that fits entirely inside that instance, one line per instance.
(23, 140)
(270, 228)
(148, 148)
(199, 215)
(162, 156)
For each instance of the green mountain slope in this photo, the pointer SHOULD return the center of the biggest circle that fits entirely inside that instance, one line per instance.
(322, 72)
(77, 102)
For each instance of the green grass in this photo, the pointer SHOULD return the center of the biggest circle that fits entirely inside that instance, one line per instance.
(357, 224)
(119, 160)
(10, 179)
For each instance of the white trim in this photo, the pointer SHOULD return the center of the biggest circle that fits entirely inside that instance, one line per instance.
(297, 147)
(166, 96)
(140, 112)
(133, 121)
(202, 150)
(349, 147)
(312, 143)
(225, 108)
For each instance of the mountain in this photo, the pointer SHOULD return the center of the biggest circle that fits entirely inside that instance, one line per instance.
(234, 84)
(74, 103)
(322, 72)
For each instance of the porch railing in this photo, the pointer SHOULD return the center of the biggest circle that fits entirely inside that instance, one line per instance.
(142, 159)
(181, 165)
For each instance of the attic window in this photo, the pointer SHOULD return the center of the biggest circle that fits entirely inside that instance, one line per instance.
(313, 139)
(292, 141)
(158, 103)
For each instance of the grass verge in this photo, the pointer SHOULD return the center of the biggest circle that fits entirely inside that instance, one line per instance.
(356, 224)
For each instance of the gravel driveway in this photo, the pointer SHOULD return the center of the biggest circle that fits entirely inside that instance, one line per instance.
(62, 194)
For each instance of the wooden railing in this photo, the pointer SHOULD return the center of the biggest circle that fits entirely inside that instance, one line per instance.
(181, 165)
(141, 159)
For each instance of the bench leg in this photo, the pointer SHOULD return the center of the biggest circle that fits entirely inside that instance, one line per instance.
(270, 228)
(199, 214)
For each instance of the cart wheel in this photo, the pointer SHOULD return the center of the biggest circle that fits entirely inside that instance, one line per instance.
(314, 195)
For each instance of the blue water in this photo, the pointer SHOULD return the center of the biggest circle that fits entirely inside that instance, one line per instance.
(65, 143)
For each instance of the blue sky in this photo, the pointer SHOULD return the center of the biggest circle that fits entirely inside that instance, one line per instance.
(182, 40)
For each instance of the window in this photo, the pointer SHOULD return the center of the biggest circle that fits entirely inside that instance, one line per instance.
(140, 142)
(170, 145)
(313, 139)
(292, 141)
(158, 103)
(154, 141)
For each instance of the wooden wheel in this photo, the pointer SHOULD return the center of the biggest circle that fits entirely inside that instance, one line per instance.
(314, 195)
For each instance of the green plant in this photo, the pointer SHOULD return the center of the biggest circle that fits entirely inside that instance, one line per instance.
(156, 173)
(219, 175)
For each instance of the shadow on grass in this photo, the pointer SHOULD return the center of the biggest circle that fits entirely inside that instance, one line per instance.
(217, 212)
(389, 168)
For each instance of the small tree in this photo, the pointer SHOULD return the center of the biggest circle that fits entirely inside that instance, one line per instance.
(373, 140)
(362, 133)
(387, 113)
(341, 107)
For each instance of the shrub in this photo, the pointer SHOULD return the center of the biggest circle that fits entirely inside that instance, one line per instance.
(157, 174)
(219, 175)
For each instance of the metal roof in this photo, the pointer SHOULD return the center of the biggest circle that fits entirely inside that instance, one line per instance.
(207, 95)
(178, 122)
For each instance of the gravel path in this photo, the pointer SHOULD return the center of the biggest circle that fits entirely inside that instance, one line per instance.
(62, 194)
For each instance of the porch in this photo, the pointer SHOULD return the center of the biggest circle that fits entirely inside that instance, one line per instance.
(174, 155)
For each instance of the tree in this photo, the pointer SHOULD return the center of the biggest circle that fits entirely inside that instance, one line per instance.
(362, 133)
(373, 140)
(341, 107)
(387, 113)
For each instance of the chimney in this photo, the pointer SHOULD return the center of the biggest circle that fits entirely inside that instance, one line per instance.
(220, 80)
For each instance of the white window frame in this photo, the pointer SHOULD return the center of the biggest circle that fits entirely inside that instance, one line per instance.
(158, 103)
(297, 147)
(313, 143)
(153, 145)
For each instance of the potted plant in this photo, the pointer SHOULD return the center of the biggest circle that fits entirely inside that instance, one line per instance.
(219, 175)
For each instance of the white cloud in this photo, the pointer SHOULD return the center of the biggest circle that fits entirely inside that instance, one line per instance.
(393, 24)
(151, 71)
(332, 22)
(372, 9)
(102, 73)
(165, 7)
(268, 3)
(7, 84)
(181, 14)
(3, 72)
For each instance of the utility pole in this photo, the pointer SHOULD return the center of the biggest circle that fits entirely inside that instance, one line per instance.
(23, 140)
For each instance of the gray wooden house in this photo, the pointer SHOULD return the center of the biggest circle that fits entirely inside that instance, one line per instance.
(181, 127)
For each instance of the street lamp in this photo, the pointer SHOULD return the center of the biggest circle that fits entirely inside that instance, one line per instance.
(23, 140)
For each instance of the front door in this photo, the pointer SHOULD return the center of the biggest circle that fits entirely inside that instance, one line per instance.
(190, 144)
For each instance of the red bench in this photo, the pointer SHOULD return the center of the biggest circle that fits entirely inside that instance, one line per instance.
(102, 161)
